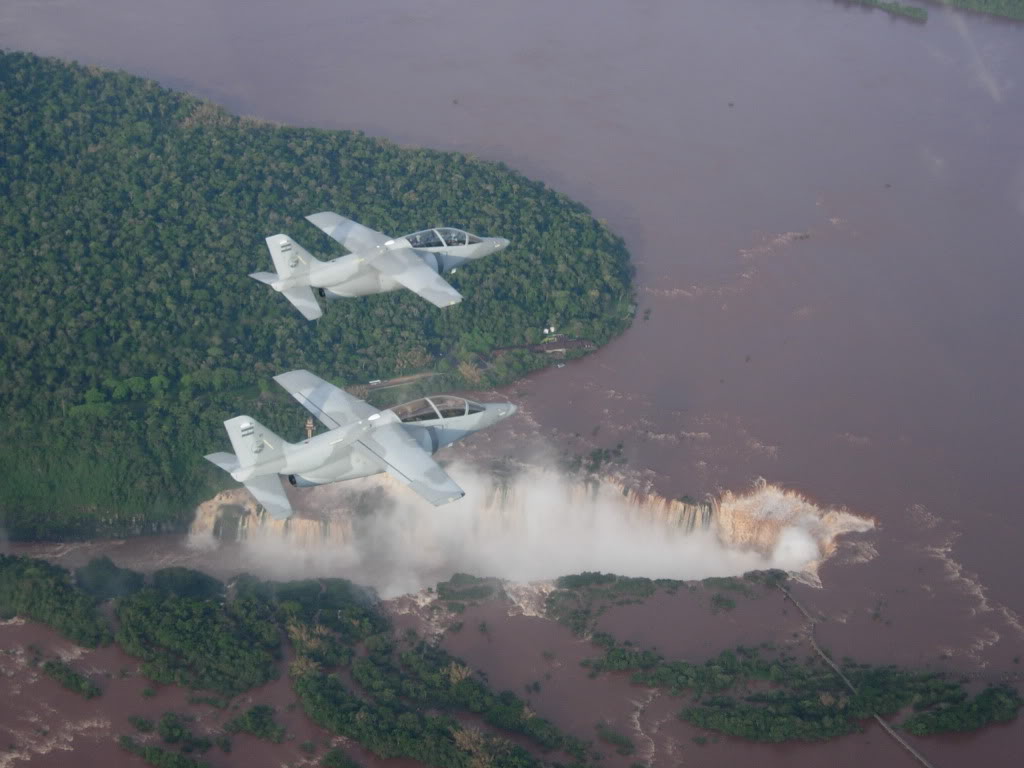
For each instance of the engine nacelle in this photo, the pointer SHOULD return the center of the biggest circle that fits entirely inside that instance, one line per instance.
(300, 482)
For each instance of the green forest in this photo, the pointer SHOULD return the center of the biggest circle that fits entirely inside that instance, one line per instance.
(133, 215)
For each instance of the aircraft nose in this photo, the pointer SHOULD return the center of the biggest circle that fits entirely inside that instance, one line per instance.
(500, 243)
(504, 410)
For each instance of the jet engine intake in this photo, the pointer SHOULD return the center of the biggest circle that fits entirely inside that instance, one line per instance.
(425, 436)
(433, 260)
(299, 481)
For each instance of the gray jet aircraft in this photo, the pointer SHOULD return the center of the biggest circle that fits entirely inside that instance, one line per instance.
(375, 263)
(361, 441)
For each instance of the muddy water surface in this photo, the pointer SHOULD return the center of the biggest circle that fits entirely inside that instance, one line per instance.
(825, 207)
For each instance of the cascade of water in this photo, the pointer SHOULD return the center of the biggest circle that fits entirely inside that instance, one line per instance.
(536, 526)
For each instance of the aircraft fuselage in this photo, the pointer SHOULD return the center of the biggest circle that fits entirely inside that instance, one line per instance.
(334, 456)
(350, 276)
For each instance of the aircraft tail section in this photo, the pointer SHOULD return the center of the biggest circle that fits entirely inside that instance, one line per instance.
(304, 301)
(259, 453)
(293, 264)
(291, 260)
(254, 444)
(268, 490)
(226, 461)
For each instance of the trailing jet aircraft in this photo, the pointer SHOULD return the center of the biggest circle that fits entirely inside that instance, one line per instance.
(375, 263)
(361, 441)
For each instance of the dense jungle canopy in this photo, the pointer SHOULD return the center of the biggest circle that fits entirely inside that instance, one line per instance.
(132, 216)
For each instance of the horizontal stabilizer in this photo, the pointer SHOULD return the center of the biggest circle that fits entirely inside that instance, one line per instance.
(226, 461)
(265, 277)
(268, 490)
(304, 301)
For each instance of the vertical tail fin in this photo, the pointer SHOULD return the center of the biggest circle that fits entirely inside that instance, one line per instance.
(291, 260)
(254, 444)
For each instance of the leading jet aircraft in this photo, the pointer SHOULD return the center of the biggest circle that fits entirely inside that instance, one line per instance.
(361, 441)
(375, 263)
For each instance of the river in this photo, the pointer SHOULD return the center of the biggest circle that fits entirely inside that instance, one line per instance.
(825, 205)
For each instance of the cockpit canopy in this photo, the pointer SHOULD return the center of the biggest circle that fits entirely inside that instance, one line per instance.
(437, 407)
(446, 237)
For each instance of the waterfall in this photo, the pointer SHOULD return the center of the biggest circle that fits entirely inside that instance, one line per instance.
(535, 525)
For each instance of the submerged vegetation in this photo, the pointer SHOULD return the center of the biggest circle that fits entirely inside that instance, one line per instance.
(259, 721)
(1009, 9)
(462, 588)
(173, 729)
(70, 679)
(622, 743)
(36, 590)
(896, 9)
(132, 216)
(579, 600)
(335, 758)
(160, 758)
(401, 696)
(763, 695)
(227, 647)
(102, 579)
(398, 697)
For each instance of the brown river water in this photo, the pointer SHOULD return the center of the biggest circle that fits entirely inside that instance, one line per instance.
(825, 207)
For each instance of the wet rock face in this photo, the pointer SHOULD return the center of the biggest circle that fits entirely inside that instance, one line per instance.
(535, 526)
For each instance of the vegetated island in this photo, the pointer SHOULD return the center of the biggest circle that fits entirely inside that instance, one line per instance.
(1007, 9)
(762, 693)
(132, 217)
(353, 674)
(895, 9)
(399, 695)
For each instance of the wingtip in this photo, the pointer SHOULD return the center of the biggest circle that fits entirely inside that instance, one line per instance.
(454, 301)
(322, 218)
(283, 377)
(268, 278)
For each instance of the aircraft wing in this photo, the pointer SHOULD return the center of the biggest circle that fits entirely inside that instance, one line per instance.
(403, 265)
(406, 461)
(334, 407)
(351, 234)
